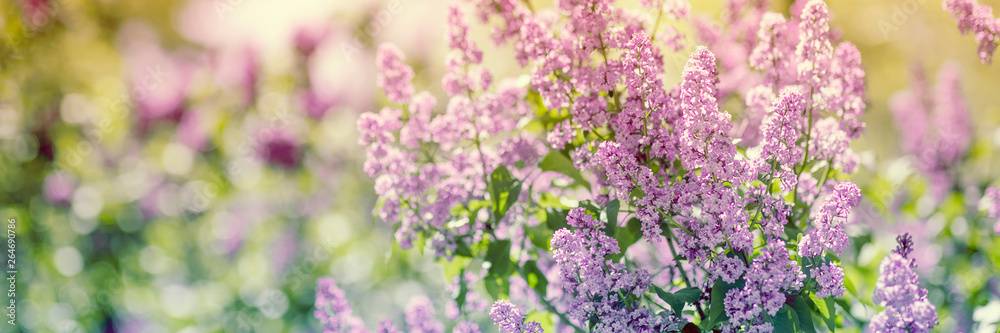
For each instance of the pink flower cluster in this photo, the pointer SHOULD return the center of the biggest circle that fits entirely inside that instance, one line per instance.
(424, 162)
(905, 305)
(978, 19)
(596, 287)
(934, 125)
(771, 274)
(335, 314)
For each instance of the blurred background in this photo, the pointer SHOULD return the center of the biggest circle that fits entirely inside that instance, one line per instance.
(193, 166)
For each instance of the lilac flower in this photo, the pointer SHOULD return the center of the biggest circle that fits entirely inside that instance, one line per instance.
(561, 135)
(771, 274)
(905, 305)
(594, 285)
(845, 93)
(771, 55)
(394, 75)
(782, 129)
(814, 50)
(829, 233)
(466, 327)
(420, 317)
(510, 320)
(978, 19)
(729, 269)
(934, 126)
(830, 279)
(386, 326)
(333, 311)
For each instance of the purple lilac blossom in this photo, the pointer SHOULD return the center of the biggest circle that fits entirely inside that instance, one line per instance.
(394, 75)
(830, 279)
(830, 234)
(510, 320)
(934, 125)
(596, 286)
(978, 19)
(420, 317)
(772, 273)
(898, 292)
(333, 311)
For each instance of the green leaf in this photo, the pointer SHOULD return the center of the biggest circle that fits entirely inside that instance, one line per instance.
(627, 236)
(543, 318)
(671, 300)
(556, 161)
(497, 287)
(688, 295)
(462, 249)
(555, 219)
(540, 236)
(820, 305)
(678, 299)
(717, 313)
(463, 290)
(535, 278)
(498, 255)
(612, 212)
(504, 191)
(785, 320)
(805, 323)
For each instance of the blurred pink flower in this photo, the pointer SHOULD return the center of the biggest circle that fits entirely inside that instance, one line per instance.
(191, 131)
(159, 80)
(59, 187)
(279, 147)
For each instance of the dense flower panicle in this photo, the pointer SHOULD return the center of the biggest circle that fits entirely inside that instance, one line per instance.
(466, 327)
(830, 142)
(772, 55)
(393, 74)
(458, 37)
(845, 93)
(829, 233)
(772, 273)
(978, 19)
(782, 129)
(595, 286)
(561, 134)
(727, 268)
(510, 320)
(420, 317)
(333, 311)
(934, 125)
(814, 50)
(951, 115)
(704, 130)
(386, 326)
(905, 304)
(830, 279)
(421, 161)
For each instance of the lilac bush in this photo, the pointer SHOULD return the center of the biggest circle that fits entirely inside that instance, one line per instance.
(549, 181)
